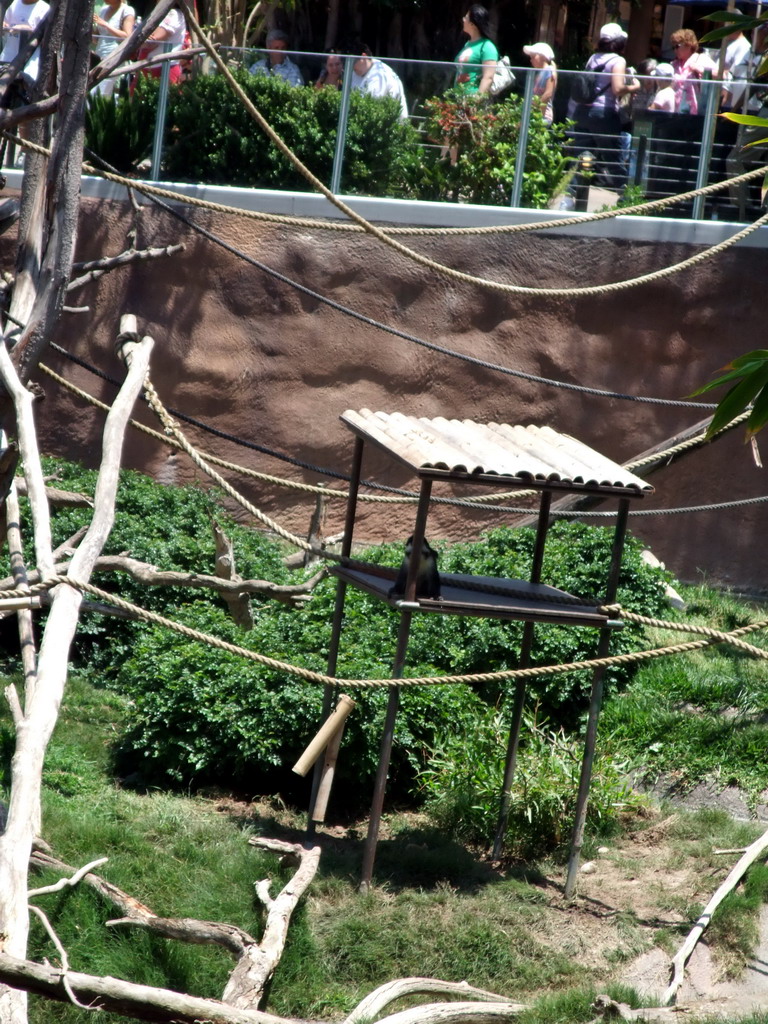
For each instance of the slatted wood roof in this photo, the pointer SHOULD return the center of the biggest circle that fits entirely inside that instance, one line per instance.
(459, 449)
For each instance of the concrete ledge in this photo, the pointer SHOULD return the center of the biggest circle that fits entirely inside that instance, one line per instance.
(424, 214)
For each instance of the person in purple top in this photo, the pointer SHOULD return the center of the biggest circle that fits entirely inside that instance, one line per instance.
(597, 123)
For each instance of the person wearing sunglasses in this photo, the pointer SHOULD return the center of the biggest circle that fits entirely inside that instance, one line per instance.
(689, 67)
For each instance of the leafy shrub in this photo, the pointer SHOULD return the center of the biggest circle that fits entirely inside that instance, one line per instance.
(203, 715)
(206, 714)
(212, 138)
(486, 137)
(199, 714)
(120, 129)
(465, 773)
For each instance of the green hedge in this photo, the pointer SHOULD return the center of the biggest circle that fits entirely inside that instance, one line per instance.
(211, 138)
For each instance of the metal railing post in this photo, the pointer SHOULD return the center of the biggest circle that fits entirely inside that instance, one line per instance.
(341, 128)
(712, 89)
(522, 139)
(162, 110)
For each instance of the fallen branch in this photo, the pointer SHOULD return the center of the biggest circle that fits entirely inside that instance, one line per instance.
(751, 854)
(259, 960)
(372, 1006)
(140, 1002)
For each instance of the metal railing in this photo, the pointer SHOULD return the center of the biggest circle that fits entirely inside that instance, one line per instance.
(660, 154)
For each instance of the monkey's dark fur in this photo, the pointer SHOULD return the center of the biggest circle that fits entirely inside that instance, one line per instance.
(427, 576)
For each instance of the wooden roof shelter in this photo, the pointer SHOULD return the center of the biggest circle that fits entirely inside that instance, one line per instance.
(495, 455)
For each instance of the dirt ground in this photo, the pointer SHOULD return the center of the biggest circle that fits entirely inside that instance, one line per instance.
(626, 895)
(641, 886)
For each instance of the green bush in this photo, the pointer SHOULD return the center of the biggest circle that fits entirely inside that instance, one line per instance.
(120, 129)
(212, 138)
(203, 714)
(486, 137)
(199, 714)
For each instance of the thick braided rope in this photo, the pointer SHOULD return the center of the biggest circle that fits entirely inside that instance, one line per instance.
(680, 627)
(284, 220)
(493, 229)
(173, 429)
(417, 257)
(424, 232)
(485, 502)
(308, 675)
(683, 446)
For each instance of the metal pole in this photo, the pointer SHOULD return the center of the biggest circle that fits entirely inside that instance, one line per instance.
(707, 140)
(596, 700)
(388, 734)
(341, 127)
(522, 138)
(520, 690)
(162, 110)
(338, 611)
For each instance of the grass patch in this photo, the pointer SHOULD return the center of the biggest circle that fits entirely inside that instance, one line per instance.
(701, 716)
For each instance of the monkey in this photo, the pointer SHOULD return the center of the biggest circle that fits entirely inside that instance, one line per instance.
(427, 576)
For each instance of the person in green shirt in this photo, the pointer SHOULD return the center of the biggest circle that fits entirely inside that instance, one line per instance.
(477, 60)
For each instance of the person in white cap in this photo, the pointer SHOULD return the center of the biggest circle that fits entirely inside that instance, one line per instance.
(665, 94)
(598, 125)
(542, 57)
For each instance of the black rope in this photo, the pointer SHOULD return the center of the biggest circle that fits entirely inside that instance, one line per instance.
(404, 335)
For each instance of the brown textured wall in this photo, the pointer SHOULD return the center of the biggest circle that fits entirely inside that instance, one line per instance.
(253, 357)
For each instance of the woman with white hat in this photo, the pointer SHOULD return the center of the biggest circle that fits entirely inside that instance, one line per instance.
(598, 124)
(542, 58)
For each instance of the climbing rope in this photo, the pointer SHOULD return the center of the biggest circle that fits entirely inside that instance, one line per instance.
(711, 638)
(480, 504)
(429, 345)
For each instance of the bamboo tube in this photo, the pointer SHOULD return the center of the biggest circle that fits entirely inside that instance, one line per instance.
(327, 776)
(324, 734)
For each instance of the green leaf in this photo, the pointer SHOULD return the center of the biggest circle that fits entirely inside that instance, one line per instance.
(738, 367)
(751, 119)
(759, 415)
(737, 399)
(734, 18)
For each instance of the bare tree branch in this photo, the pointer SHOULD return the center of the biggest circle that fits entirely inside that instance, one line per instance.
(97, 268)
(42, 704)
(40, 915)
(239, 603)
(374, 1004)
(292, 594)
(57, 497)
(139, 1002)
(257, 964)
(75, 876)
(680, 959)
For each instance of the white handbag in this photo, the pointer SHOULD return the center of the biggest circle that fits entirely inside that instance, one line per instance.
(503, 78)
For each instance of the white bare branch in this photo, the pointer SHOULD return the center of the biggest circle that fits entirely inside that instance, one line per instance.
(64, 958)
(456, 1013)
(374, 1004)
(42, 704)
(680, 959)
(33, 470)
(70, 882)
(138, 1002)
